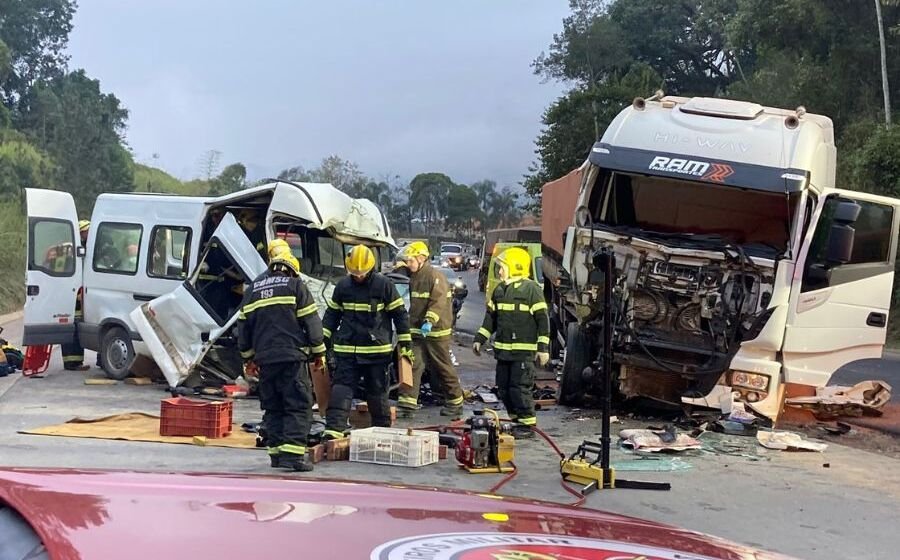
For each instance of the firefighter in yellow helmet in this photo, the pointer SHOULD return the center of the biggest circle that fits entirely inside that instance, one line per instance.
(73, 352)
(280, 332)
(431, 322)
(517, 318)
(357, 326)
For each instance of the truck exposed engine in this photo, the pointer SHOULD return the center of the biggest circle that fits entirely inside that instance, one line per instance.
(742, 271)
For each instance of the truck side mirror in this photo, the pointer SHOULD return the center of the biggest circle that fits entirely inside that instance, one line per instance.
(841, 235)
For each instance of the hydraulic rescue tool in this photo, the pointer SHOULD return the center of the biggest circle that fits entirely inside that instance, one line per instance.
(578, 467)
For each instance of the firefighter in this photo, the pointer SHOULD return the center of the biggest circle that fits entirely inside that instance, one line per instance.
(357, 327)
(431, 322)
(73, 352)
(280, 331)
(517, 317)
(249, 222)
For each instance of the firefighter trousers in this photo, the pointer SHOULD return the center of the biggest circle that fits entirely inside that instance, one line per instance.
(349, 370)
(515, 381)
(73, 352)
(433, 353)
(285, 396)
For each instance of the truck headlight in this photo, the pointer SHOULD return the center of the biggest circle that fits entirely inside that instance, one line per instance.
(754, 381)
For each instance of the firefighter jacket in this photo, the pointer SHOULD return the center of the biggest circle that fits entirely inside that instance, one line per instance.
(430, 299)
(279, 321)
(517, 315)
(359, 316)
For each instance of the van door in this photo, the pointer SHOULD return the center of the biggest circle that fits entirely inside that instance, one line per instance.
(53, 268)
(179, 327)
(838, 311)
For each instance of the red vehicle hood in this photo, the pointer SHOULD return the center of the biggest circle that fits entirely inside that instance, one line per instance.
(103, 514)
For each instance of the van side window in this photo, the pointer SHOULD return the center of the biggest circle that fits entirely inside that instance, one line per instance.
(169, 255)
(117, 248)
(52, 247)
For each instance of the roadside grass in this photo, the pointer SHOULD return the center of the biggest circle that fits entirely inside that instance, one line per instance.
(12, 256)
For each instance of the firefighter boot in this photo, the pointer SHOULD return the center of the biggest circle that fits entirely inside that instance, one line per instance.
(455, 412)
(294, 462)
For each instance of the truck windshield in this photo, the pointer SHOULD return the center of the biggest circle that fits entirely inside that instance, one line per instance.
(691, 211)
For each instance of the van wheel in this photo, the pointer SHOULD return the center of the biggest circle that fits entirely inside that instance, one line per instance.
(117, 353)
(578, 357)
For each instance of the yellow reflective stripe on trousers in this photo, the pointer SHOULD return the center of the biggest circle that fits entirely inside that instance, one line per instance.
(438, 334)
(334, 434)
(538, 306)
(347, 349)
(432, 316)
(308, 310)
(455, 402)
(397, 303)
(543, 340)
(292, 449)
(326, 332)
(247, 354)
(420, 295)
(414, 330)
(407, 402)
(73, 358)
(528, 420)
(280, 300)
(404, 337)
(320, 349)
(515, 346)
(335, 306)
(484, 332)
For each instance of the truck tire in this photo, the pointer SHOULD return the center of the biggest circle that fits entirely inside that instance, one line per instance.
(578, 357)
(116, 353)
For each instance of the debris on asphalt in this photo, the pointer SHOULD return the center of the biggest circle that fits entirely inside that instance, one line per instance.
(654, 441)
(733, 428)
(839, 428)
(139, 381)
(866, 398)
(652, 464)
(733, 446)
(100, 381)
(788, 441)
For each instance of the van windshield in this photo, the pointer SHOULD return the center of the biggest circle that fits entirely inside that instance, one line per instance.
(690, 211)
(451, 249)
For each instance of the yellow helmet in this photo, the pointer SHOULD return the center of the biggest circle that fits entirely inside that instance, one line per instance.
(278, 246)
(84, 225)
(416, 249)
(516, 261)
(360, 261)
(282, 260)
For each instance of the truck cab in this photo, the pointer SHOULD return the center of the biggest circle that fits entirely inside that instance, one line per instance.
(742, 268)
(163, 276)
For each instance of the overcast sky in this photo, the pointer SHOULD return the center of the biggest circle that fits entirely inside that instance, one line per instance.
(400, 87)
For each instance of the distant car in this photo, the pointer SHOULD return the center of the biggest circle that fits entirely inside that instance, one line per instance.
(452, 256)
(49, 514)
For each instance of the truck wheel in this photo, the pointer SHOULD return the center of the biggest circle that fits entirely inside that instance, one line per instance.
(578, 357)
(117, 353)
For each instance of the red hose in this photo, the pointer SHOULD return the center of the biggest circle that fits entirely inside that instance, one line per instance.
(506, 479)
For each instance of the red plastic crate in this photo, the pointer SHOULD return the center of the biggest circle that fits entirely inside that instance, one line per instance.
(188, 417)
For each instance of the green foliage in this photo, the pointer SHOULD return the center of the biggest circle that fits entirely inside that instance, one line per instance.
(463, 210)
(343, 174)
(875, 165)
(22, 165)
(429, 195)
(12, 257)
(35, 33)
(232, 178)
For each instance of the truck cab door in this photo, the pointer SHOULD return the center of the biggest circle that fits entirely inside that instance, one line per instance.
(841, 291)
(179, 327)
(53, 267)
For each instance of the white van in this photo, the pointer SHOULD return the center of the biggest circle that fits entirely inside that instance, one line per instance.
(143, 246)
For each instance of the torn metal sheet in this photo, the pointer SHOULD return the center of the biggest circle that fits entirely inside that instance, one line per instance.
(864, 398)
(652, 441)
(788, 441)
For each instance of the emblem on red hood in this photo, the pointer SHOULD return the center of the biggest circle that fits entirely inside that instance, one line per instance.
(519, 546)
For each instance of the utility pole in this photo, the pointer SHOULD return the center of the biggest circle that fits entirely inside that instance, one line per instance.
(884, 73)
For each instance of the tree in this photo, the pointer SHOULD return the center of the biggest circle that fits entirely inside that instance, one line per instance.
(462, 208)
(81, 129)
(35, 34)
(22, 165)
(343, 175)
(483, 190)
(505, 210)
(428, 196)
(232, 178)
(885, 82)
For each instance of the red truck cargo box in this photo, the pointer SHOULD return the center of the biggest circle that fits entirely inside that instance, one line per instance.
(558, 201)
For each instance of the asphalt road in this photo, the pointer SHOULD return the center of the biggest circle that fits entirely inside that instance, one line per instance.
(473, 307)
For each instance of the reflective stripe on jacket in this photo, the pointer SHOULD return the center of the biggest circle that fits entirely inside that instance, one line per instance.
(430, 299)
(517, 316)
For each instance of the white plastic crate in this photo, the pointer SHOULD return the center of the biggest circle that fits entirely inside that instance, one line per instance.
(394, 446)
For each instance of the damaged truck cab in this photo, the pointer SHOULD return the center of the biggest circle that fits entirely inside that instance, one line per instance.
(163, 276)
(742, 270)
